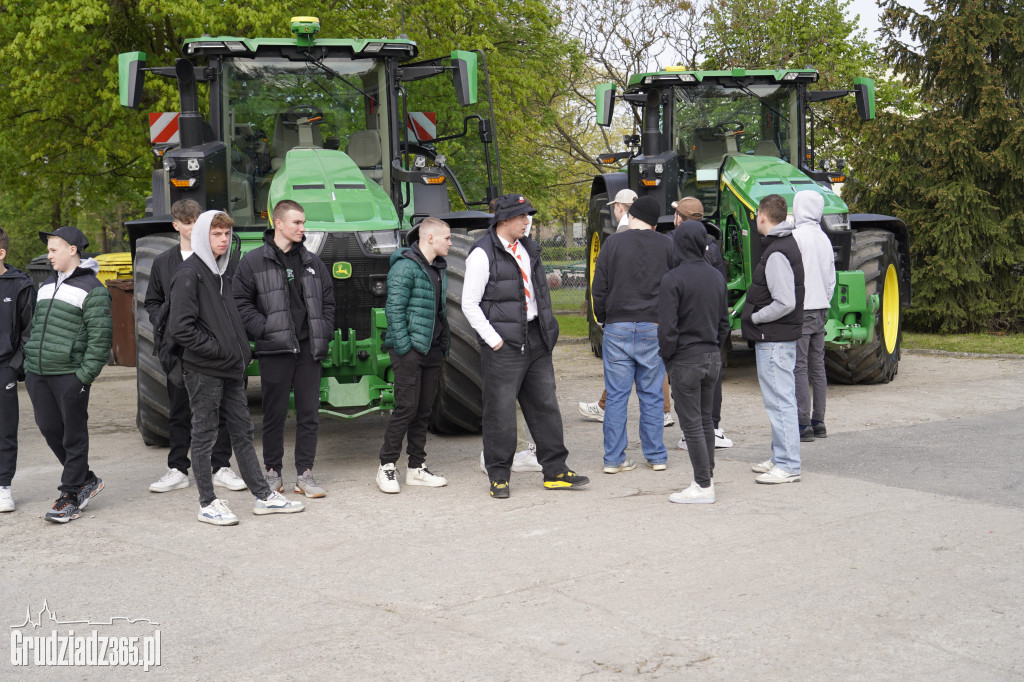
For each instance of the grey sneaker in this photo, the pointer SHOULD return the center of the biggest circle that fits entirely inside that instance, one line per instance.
(89, 491)
(308, 486)
(277, 503)
(64, 509)
(626, 465)
(6, 501)
(274, 481)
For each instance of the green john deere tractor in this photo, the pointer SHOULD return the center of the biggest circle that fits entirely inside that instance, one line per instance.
(731, 138)
(360, 135)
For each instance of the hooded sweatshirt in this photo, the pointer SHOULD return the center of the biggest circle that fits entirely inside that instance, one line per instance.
(17, 300)
(693, 312)
(203, 319)
(815, 250)
(71, 326)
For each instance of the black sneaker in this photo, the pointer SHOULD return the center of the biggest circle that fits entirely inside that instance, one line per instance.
(499, 489)
(64, 509)
(819, 429)
(568, 479)
(807, 434)
(89, 491)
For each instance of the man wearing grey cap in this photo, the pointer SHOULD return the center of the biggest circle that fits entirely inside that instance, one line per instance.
(67, 348)
(620, 208)
(506, 299)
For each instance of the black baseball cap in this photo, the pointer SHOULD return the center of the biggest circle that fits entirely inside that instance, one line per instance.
(72, 235)
(509, 206)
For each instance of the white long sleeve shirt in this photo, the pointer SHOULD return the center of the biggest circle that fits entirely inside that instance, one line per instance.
(478, 271)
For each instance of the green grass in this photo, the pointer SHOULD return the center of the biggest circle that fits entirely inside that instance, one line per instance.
(572, 325)
(966, 343)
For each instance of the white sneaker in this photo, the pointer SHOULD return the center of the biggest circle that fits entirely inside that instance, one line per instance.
(172, 480)
(526, 460)
(777, 475)
(387, 479)
(694, 495)
(277, 503)
(218, 514)
(669, 420)
(6, 501)
(682, 443)
(226, 478)
(422, 476)
(591, 411)
(720, 440)
(626, 465)
(656, 466)
(763, 467)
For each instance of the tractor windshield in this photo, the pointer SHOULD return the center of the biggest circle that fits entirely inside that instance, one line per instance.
(713, 120)
(273, 105)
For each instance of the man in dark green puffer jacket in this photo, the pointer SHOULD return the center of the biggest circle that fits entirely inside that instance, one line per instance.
(418, 340)
(68, 346)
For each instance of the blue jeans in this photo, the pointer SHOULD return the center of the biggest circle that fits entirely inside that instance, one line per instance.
(630, 355)
(775, 363)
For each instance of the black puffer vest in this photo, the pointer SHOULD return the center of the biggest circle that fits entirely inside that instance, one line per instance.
(788, 327)
(504, 299)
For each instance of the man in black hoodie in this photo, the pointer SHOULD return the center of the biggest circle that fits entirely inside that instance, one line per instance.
(625, 295)
(17, 301)
(286, 299)
(693, 322)
(204, 321)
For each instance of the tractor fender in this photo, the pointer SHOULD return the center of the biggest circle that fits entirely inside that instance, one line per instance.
(610, 184)
(873, 221)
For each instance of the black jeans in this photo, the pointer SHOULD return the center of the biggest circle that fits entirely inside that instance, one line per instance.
(180, 434)
(416, 378)
(210, 397)
(693, 389)
(510, 374)
(61, 406)
(8, 424)
(280, 374)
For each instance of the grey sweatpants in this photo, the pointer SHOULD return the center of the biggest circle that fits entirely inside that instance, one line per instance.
(810, 368)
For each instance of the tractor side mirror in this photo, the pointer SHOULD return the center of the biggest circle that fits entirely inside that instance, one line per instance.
(864, 91)
(604, 101)
(130, 77)
(464, 76)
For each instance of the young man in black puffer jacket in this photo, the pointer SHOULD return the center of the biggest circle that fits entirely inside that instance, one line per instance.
(285, 297)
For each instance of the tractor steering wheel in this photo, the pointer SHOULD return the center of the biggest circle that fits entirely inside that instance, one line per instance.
(724, 128)
(293, 114)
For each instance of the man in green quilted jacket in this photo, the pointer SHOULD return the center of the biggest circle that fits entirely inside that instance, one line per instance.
(417, 339)
(68, 346)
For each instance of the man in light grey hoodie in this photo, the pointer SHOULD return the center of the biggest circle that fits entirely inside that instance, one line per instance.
(819, 283)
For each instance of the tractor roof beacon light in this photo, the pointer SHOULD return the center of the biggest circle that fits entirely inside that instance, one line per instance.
(304, 29)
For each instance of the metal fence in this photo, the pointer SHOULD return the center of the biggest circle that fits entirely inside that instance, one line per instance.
(567, 275)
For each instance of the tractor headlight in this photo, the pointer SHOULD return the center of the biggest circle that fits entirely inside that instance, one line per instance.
(379, 242)
(836, 222)
(315, 241)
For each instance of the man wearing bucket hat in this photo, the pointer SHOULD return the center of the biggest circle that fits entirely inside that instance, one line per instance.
(67, 348)
(505, 297)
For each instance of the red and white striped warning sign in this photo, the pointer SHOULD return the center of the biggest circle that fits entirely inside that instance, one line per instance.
(422, 125)
(163, 127)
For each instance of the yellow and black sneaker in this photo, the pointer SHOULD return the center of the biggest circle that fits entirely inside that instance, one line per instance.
(499, 489)
(568, 479)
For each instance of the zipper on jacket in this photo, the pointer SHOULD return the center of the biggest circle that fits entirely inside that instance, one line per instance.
(42, 335)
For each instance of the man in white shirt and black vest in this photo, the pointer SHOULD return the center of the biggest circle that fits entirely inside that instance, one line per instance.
(506, 300)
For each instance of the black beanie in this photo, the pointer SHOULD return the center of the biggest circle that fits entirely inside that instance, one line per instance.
(646, 210)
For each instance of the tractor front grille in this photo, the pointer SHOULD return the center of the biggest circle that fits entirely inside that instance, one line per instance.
(364, 289)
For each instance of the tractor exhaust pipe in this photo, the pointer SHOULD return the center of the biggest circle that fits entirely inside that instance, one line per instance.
(652, 124)
(190, 122)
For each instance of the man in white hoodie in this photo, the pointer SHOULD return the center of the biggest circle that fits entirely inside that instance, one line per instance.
(819, 283)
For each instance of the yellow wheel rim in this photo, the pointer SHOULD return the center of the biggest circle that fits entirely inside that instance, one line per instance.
(891, 309)
(595, 248)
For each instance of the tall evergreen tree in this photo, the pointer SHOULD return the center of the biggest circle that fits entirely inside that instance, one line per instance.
(955, 172)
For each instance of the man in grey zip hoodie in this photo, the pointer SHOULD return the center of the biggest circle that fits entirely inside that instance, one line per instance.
(204, 321)
(819, 283)
(772, 318)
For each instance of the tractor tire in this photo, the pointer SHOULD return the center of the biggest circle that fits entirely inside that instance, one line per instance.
(875, 252)
(153, 404)
(599, 228)
(458, 407)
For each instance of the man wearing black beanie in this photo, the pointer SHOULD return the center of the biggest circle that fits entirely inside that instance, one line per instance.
(625, 296)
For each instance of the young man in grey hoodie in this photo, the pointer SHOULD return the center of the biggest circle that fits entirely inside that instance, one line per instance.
(819, 283)
(204, 321)
(773, 318)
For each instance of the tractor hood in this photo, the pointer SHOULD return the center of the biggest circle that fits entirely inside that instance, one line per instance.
(335, 194)
(752, 178)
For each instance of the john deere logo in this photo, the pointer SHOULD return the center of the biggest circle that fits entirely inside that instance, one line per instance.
(342, 270)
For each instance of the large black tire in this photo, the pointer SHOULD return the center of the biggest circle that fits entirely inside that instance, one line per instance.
(599, 227)
(153, 405)
(876, 253)
(459, 407)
